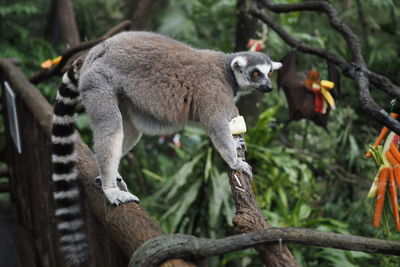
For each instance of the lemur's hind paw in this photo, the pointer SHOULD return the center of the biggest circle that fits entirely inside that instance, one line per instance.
(120, 182)
(116, 196)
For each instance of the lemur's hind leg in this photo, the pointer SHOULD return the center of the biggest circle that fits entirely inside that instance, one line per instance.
(102, 108)
(131, 137)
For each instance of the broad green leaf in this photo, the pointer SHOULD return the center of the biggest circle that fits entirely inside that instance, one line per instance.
(180, 177)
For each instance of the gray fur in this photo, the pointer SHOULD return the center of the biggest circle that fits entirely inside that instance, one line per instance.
(140, 82)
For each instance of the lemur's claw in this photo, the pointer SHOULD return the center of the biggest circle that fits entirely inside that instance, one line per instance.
(244, 167)
(240, 143)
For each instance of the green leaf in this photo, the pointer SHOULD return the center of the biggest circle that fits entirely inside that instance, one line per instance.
(181, 207)
(305, 211)
(208, 166)
(180, 177)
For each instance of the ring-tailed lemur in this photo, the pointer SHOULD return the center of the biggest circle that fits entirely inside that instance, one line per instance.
(140, 82)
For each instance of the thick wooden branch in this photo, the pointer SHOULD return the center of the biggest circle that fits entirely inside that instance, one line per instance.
(355, 70)
(249, 218)
(69, 53)
(159, 249)
(128, 224)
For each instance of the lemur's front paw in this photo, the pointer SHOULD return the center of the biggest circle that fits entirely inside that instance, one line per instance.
(240, 143)
(243, 166)
(116, 196)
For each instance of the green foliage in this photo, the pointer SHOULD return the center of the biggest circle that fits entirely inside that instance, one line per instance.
(300, 171)
(199, 22)
(197, 193)
(94, 24)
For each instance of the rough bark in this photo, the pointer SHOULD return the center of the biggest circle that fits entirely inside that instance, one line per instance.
(161, 248)
(355, 68)
(248, 218)
(128, 225)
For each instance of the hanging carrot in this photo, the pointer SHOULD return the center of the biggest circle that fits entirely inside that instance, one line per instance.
(397, 176)
(385, 130)
(380, 199)
(393, 198)
(395, 152)
(391, 158)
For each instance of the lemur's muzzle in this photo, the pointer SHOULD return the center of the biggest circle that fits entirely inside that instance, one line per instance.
(265, 88)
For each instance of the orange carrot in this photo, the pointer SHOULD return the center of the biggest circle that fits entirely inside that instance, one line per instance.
(391, 158)
(385, 130)
(395, 152)
(393, 199)
(380, 199)
(397, 176)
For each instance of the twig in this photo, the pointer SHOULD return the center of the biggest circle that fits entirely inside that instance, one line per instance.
(69, 53)
(355, 70)
(159, 249)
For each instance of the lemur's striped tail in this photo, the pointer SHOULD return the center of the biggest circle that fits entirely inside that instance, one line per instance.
(69, 215)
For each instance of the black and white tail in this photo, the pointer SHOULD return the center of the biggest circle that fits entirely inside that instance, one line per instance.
(69, 215)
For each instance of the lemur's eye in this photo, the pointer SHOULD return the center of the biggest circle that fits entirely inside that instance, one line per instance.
(255, 74)
(270, 74)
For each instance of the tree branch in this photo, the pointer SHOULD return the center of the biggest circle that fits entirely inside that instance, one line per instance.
(352, 40)
(159, 249)
(248, 218)
(69, 53)
(355, 70)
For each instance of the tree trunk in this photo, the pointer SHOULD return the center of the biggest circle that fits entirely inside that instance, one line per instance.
(61, 24)
(245, 29)
(141, 16)
(245, 25)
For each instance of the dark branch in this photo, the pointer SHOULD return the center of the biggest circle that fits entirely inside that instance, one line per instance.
(157, 250)
(352, 40)
(355, 70)
(69, 53)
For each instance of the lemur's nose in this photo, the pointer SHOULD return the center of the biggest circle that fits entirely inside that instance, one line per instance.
(265, 88)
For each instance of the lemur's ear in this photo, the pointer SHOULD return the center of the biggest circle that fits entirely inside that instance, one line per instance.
(238, 63)
(276, 65)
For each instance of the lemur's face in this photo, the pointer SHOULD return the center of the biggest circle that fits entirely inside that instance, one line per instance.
(253, 71)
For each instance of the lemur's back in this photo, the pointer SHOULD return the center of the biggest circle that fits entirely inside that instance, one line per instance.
(145, 66)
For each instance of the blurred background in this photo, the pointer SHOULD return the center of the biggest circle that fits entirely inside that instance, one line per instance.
(304, 175)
